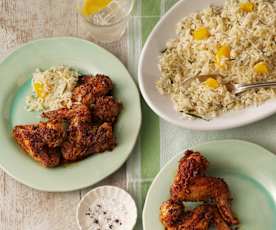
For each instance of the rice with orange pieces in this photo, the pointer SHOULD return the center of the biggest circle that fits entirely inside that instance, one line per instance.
(237, 41)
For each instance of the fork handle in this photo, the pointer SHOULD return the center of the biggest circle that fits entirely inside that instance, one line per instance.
(244, 87)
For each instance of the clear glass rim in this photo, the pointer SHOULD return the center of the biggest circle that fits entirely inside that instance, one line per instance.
(117, 22)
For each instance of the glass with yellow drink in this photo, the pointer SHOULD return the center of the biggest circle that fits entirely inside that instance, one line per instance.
(107, 18)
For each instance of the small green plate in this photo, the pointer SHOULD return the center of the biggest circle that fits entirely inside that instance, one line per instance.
(249, 170)
(16, 71)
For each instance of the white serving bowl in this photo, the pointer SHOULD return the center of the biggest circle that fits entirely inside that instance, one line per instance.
(149, 73)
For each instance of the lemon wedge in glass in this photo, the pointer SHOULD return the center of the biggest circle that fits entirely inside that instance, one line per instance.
(90, 7)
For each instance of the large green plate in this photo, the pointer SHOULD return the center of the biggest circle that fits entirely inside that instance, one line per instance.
(15, 84)
(249, 170)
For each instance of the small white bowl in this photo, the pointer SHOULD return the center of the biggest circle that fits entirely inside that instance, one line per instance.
(105, 208)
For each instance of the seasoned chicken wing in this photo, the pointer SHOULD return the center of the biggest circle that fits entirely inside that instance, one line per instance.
(199, 218)
(85, 140)
(79, 110)
(104, 139)
(171, 213)
(173, 217)
(40, 141)
(71, 152)
(80, 136)
(191, 165)
(219, 221)
(91, 87)
(106, 109)
(204, 188)
(191, 184)
(101, 83)
(83, 137)
(53, 132)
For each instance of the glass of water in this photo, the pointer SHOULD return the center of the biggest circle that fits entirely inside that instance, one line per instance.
(109, 24)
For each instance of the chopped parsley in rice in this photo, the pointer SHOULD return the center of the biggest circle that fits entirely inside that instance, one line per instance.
(237, 41)
(52, 89)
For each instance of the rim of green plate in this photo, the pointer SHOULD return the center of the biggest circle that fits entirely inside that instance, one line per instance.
(88, 184)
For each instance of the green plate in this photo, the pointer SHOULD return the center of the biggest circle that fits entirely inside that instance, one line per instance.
(15, 84)
(249, 170)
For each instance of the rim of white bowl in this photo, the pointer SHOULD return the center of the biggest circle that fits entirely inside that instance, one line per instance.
(101, 188)
(164, 116)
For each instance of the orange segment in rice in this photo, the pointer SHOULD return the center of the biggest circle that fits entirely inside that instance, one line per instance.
(222, 53)
(212, 83)
(201, 33)
(247, 7)
(261, 68)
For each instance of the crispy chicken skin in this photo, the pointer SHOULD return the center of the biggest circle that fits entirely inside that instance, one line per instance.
(91, 87)
(79, 139)
(71, 152)
(191, 184)
(171, 213)
(40, 141)
(79, 130)
(219, 221)
(80, 111)
(191, 165)
(104, 139)
(106, 109)
(101, 84)
(53, 132)
(94, 140)
(174, 217)
(83, 138)
(204, 188)
(199, 218)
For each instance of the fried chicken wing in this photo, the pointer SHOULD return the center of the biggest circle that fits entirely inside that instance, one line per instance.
(83, 94)
(85, 139)
(191, 184)
(191, 165)
(204, 188)
(40, 141)
(79, 133)
(173, 216)
(101, 83)
(199, 218)
(78, 110)
(80, 136)
(53, 132)
(71, 152)
(104, 139)
(91, 87)
(171, 213)
(106, 109)
(219, 221)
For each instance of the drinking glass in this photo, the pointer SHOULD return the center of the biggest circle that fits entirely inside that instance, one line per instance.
(110, 23)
